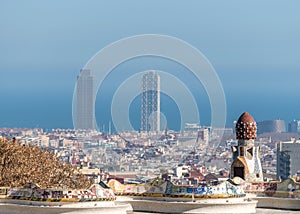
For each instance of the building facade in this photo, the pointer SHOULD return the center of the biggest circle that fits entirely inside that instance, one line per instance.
(288, 158)
(294, 126)
(271, 126)
(218, 133)
(246, 158)
(203, 136)
(150, 106)
(85, 117)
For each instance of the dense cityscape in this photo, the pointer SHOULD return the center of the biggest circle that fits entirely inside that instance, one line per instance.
(195, 155)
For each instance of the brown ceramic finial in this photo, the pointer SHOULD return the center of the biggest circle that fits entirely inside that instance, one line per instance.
(245, 127)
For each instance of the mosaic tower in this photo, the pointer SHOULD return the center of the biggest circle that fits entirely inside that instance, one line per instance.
(246, 158)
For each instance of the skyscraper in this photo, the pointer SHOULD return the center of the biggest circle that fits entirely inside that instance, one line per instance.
(150, 107)
(85, 101)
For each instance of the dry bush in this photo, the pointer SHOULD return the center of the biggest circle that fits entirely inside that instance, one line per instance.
(22, 164)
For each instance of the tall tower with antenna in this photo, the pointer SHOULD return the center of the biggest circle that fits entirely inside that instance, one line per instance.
(150, 107)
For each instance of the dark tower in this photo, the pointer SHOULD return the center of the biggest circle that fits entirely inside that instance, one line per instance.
(85, 101)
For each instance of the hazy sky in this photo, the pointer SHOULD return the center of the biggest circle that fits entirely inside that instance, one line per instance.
(254, 47)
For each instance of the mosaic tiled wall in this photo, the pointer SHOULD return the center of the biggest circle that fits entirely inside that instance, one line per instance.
(225, 189)
(32, 192)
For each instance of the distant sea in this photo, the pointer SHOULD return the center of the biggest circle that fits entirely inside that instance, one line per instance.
(49, 111)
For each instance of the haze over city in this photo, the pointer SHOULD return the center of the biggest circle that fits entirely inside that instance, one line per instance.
(149, 106)
(253, 46)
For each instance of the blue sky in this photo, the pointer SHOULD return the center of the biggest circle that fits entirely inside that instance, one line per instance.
(254, 47)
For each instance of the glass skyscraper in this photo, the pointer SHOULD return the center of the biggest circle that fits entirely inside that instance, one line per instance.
(150, 107)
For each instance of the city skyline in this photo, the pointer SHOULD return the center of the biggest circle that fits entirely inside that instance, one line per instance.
(252, 46)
